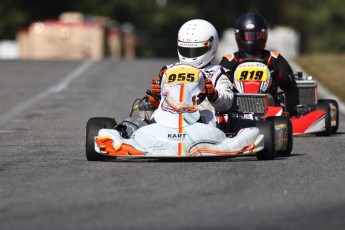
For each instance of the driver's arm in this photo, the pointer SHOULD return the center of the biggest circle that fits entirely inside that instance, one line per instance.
(223, 85)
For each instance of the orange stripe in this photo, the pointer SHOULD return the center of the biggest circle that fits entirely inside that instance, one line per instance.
(182, 92)
(105, 144)
(180, 120)
(180, 149)
(180, 123)
(180, 130)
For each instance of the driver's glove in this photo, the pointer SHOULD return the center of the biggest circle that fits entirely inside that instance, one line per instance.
(292, 111)
(156, 86)
(155, 89)
(156, 83)
(212, 93)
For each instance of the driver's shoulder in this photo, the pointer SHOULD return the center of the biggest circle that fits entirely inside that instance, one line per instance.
(214, 71)
(273, 54)
(232, 56)
(212, 67)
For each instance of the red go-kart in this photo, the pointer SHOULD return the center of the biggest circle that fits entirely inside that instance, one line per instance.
(314, 115)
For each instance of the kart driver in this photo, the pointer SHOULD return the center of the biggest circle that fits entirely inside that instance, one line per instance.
(197, 44)
(251, 36)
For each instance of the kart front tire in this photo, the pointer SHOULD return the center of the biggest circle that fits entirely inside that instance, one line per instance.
(328, 127)
(334, 129)
(92, 127)
(285, 121)
(267, 129)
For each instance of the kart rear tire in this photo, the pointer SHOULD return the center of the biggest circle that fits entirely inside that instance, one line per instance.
(282, 120)
(92, 127)
(267, 129)
(328, 127)
(334, 129)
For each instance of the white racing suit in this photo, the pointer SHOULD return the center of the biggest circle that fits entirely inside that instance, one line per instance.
(219, 76)
(221, 82)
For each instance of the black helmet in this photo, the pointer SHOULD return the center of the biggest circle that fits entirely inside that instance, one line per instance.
(251, 33)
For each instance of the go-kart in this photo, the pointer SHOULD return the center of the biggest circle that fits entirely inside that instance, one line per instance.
(252, 105)
(175, 129)
(314, 116)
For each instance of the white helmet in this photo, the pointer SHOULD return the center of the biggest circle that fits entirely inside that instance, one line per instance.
(197, 43)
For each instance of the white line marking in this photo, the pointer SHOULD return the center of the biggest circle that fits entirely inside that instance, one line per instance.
(55, 88)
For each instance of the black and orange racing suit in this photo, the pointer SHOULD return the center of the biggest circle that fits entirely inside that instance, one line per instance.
(282, 75)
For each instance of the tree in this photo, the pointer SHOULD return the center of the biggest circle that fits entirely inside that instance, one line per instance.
(319, 22)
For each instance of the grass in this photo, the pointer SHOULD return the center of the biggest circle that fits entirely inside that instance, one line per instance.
(328, 69)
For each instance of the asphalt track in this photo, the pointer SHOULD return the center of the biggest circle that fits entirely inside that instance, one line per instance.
(47, 183)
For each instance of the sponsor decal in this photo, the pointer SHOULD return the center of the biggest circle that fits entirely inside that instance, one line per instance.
(194, 44)
(155, 148)
(250, 26)
(177, 137)
(188, 44)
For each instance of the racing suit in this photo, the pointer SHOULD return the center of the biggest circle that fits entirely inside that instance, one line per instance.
(221, 81)
(281, 72)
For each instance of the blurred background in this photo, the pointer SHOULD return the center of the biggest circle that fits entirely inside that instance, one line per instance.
(129, 29)
(309, 32)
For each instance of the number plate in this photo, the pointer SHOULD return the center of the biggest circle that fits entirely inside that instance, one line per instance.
(252, 72)
(248, 116)
(182, 74)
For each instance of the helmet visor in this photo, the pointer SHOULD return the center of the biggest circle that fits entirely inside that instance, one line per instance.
(194, 49)
(251, 35)
(189, 52)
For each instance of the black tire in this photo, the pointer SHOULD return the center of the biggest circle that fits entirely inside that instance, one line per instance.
(92, 127)
(285, 121)
(328, 127)
(269, 151)
(334, 129)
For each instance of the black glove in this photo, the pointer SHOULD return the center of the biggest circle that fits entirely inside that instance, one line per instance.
(292, 111)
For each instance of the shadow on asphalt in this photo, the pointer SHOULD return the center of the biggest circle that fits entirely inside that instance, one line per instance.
(313, 135)
(196, 159)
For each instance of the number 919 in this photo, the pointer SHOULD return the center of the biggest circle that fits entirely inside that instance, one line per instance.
(252, 75)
